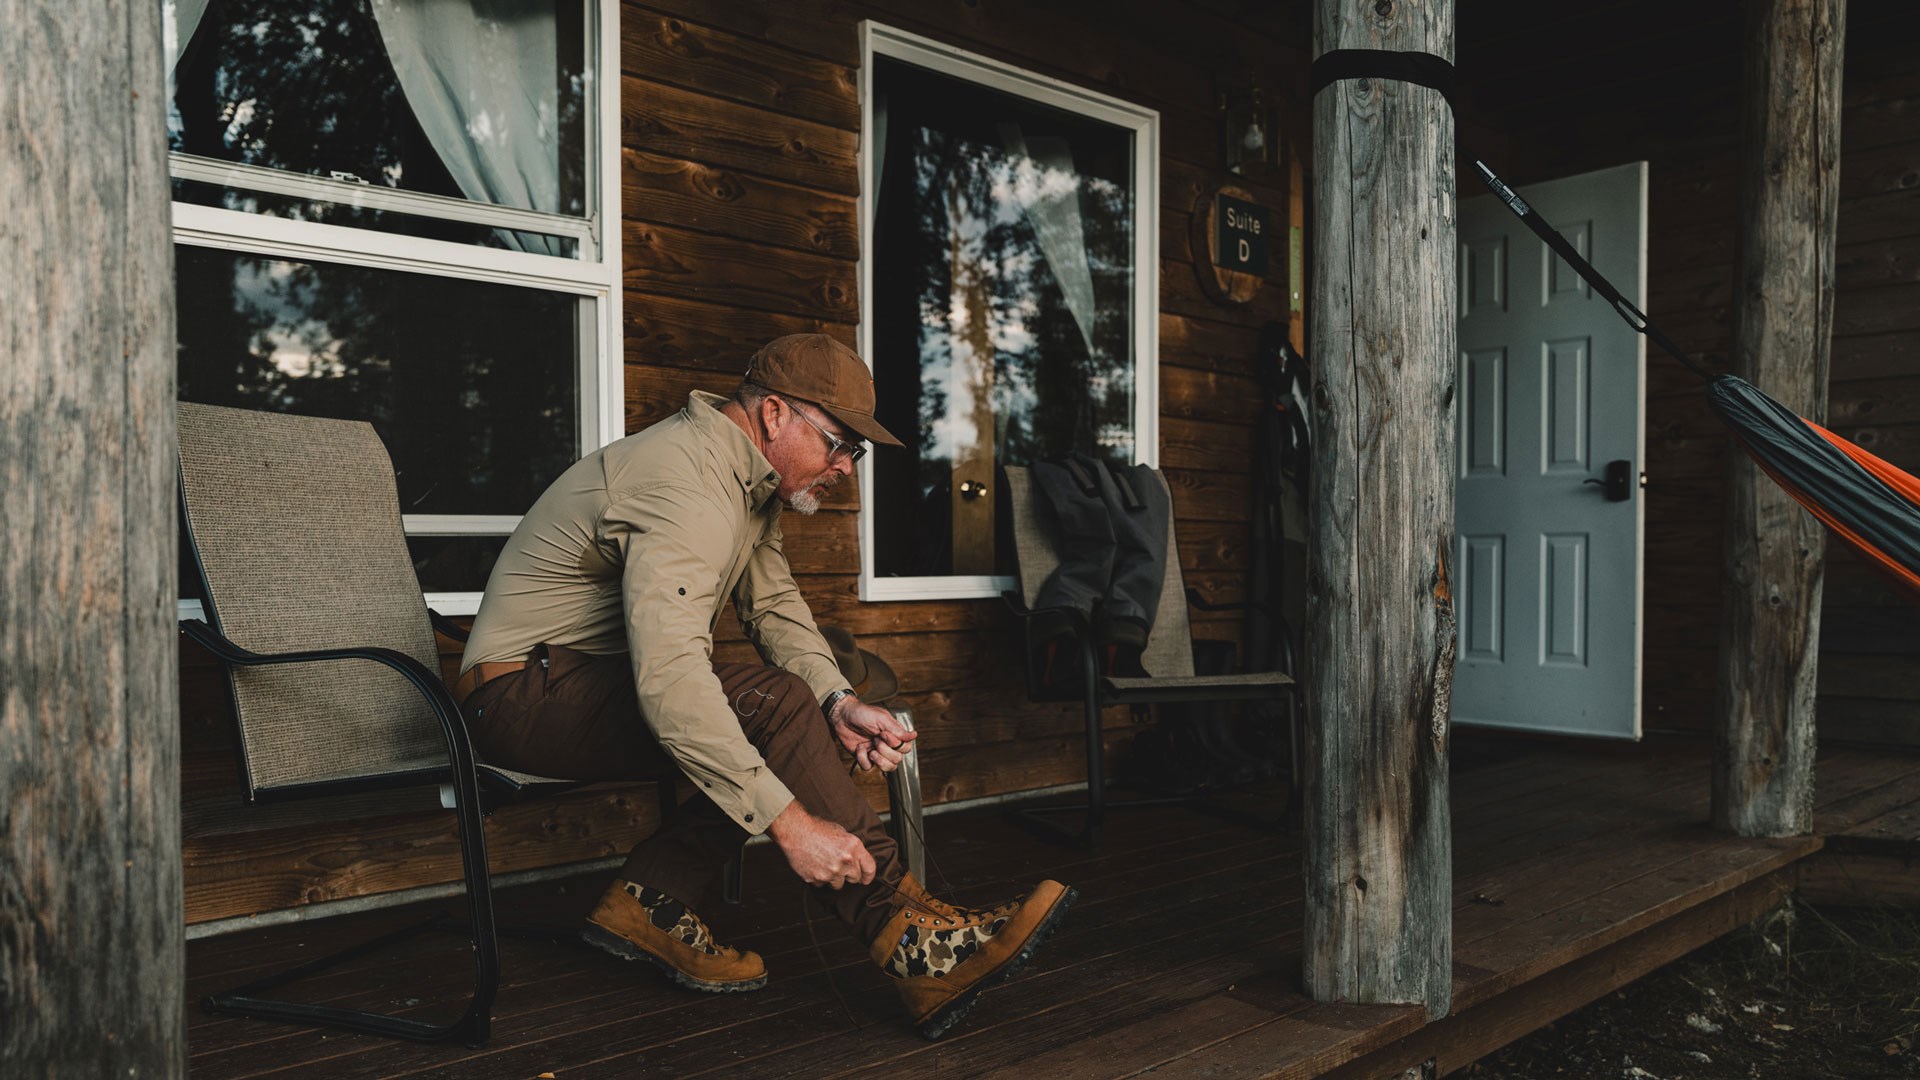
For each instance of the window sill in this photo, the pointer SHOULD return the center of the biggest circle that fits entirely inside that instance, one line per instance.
(446, 603)
(974, 587)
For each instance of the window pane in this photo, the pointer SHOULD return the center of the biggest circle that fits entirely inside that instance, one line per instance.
(483, 101)
(454, 563)
(1002, 306)
(472, 386)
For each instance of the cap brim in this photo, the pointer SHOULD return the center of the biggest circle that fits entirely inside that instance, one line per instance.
(863, 424)
(881, 682)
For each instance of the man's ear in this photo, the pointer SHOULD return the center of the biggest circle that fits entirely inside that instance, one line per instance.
(773, 415)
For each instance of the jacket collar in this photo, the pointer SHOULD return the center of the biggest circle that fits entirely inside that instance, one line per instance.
(750, 467)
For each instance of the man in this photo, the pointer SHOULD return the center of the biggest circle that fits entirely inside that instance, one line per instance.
(591, 658)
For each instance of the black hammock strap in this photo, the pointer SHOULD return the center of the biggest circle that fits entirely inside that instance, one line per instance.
(1434, 73)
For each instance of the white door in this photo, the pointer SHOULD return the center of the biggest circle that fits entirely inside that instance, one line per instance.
(1547, 564)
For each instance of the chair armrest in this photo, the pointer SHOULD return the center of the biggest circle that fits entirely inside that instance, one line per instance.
(439, 698)
(447, 626)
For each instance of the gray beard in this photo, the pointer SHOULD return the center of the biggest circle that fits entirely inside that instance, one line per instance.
(805, 502)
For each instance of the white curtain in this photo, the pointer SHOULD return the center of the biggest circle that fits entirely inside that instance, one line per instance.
(185, 16)
(481, 77)
(1048, 191)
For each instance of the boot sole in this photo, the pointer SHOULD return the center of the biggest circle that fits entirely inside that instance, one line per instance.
(609, 942)
(942, 1019)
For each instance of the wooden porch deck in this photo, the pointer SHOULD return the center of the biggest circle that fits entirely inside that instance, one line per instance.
(1577, 870)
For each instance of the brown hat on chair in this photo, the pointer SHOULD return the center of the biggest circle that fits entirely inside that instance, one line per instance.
(873, 681)
(816, 368)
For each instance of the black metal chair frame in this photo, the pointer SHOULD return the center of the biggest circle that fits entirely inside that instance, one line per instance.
(474, 1025)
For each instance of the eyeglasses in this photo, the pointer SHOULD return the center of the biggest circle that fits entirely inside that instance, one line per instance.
(837, 449)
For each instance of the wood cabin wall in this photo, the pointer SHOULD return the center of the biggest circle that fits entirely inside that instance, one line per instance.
(1662, 83)
(1869, 637)
(740, 131)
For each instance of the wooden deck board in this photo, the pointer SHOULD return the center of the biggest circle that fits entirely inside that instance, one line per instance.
(1182, 956)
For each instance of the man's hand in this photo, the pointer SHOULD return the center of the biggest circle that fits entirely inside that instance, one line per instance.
(871, 734)
(821, 852)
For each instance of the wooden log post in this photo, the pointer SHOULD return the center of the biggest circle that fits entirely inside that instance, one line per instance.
(92, 956)
(1380, 636)
(1783, 326)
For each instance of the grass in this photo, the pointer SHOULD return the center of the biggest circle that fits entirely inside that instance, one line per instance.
(1803, 994)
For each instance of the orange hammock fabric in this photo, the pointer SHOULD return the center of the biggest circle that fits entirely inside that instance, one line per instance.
(1862, 499)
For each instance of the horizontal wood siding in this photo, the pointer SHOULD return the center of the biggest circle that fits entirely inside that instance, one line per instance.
(1671, 99)
(1870, 638)
(739, 126)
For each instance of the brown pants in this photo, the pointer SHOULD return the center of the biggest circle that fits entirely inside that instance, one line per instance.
(574, 715)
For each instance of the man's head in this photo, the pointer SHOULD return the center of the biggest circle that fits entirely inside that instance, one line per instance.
(812, 399)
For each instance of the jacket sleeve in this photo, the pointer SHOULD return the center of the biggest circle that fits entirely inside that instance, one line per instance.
(778, 621)
(670, 540)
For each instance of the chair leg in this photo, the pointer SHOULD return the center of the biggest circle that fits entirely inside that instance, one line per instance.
(1089, 835)
(1096, 764)
(731, 876)
(473, 1027)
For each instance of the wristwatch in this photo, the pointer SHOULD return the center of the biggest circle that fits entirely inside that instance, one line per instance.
(833, 699)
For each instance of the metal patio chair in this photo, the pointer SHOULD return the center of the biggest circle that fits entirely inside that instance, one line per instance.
(310, 599)
(1168, 656)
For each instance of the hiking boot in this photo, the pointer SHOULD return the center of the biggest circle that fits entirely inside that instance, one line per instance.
(940, 963)
(634, 922)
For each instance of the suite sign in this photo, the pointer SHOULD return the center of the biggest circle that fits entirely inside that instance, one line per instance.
(1240, 242)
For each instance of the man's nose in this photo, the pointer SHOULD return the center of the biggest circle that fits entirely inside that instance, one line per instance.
(843, 465)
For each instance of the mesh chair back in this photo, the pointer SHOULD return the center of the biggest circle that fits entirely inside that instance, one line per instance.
(1169, 650)
(295, 525)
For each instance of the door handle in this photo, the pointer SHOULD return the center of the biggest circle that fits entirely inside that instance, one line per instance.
(1618, 485)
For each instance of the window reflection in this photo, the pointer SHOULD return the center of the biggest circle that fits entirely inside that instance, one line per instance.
(471, 386)
(477, 99)
(1003, 305)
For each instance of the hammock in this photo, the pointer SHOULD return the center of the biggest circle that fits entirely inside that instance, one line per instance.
(1866, 502)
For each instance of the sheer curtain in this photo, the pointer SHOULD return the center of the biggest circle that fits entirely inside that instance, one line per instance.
(185, 16)
(1048, 191)
(482, 78)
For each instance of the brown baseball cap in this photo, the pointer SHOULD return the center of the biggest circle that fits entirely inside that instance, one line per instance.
(816, 368)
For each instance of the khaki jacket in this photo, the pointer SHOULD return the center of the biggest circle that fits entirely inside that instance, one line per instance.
(635, 549)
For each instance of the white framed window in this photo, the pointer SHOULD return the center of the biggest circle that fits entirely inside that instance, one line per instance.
(407, 212)
(1009, 298)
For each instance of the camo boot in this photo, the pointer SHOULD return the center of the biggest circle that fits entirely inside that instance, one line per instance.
(942, 956)
(634, 922)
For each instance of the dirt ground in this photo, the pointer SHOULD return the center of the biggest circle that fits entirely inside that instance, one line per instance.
(1804, 993)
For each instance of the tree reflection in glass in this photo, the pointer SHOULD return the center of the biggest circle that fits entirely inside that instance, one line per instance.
(1003, 307)
(313, 88)
(472, 386)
